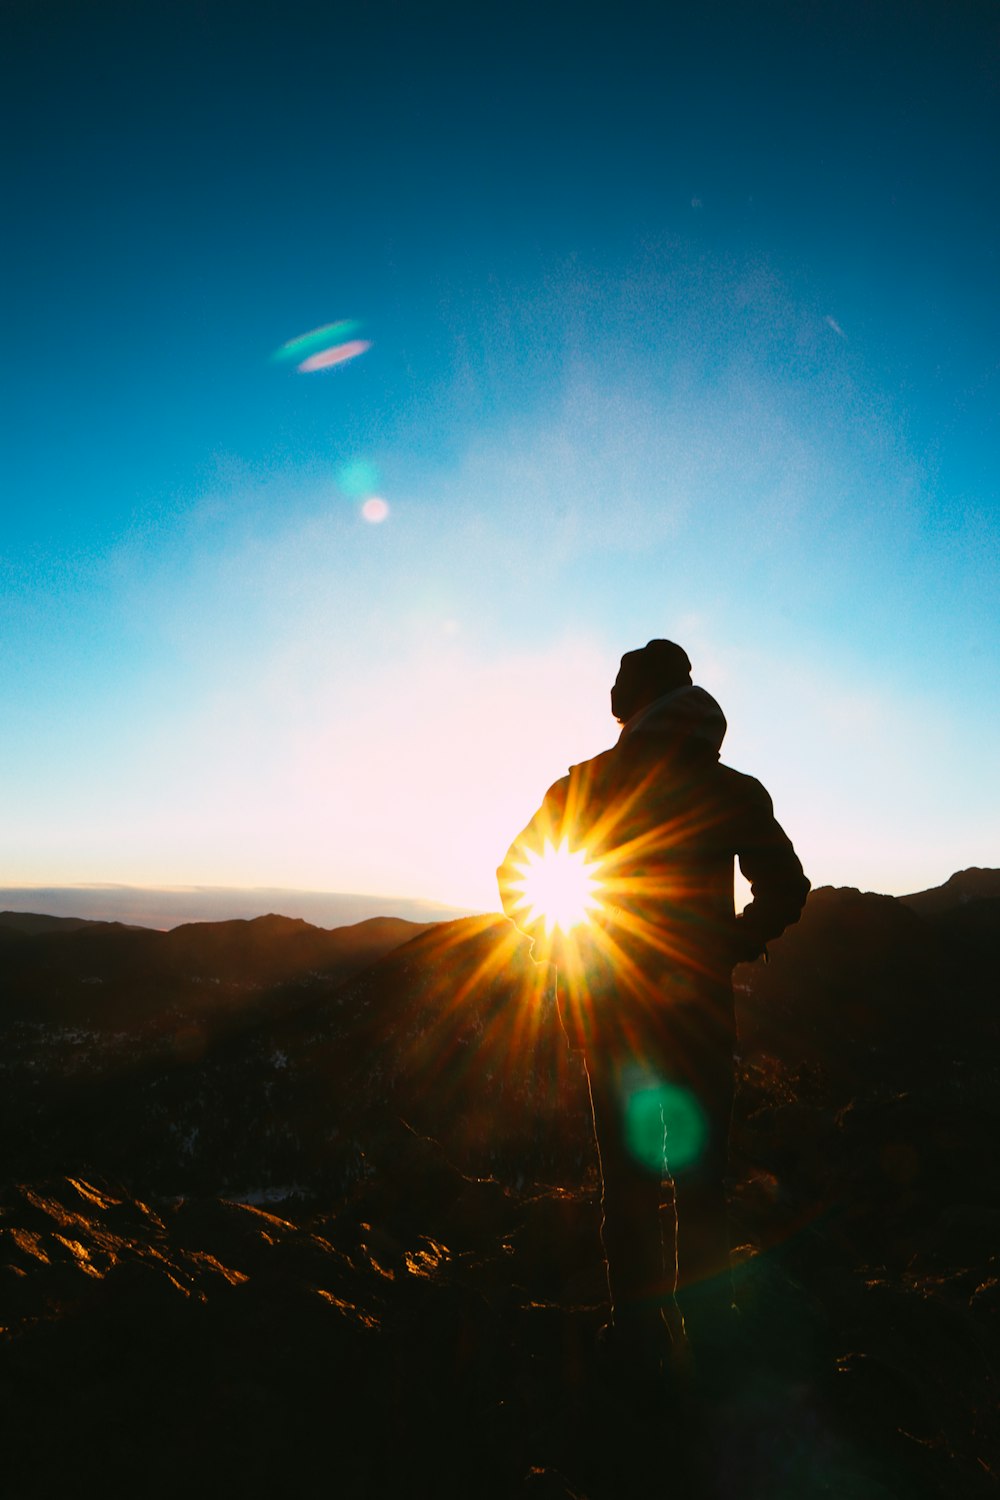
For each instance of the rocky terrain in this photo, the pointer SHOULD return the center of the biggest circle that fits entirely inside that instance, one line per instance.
(287, 1208)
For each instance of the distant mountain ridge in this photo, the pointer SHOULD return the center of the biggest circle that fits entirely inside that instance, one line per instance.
(166, 908)
(33, 923)
(173, 906)
(106, 974)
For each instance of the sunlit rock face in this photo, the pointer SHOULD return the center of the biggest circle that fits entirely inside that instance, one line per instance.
(267, 1214)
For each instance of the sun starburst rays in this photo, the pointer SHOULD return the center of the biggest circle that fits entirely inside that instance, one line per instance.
(559, 886)
(607, 901)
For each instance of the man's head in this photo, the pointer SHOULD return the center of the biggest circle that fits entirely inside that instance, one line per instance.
(645, 675)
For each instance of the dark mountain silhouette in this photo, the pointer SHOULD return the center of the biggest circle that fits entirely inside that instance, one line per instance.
(961, 888)
(17, 924)
(104, 974)
(309, 1227)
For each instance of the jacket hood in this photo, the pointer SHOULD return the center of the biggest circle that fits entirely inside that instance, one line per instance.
(687, 716)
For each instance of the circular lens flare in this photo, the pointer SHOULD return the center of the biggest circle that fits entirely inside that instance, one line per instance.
(375, 509)
(358, 478)
(560, 885)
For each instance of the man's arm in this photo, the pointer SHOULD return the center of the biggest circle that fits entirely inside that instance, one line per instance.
(777, 883)
(545, 825)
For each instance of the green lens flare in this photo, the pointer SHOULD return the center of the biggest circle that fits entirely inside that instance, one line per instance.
(320, 338)
(665, 1126)
(358, 479)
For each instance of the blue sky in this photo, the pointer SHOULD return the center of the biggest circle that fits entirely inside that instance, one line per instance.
(683, 322)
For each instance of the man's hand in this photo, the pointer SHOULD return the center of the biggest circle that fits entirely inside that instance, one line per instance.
(746, 948)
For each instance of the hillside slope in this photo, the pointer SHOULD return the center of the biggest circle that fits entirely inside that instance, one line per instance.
(356, 1242)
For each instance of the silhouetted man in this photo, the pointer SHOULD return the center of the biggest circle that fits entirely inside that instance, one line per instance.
(645, 986)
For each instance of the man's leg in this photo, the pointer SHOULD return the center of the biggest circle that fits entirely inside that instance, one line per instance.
(705, 1289)
(640, 1282)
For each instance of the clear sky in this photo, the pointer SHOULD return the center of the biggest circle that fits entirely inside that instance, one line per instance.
(683, 322)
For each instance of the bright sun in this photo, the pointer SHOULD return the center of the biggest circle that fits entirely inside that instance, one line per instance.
(560, 886)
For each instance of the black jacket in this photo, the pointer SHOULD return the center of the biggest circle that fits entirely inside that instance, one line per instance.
(664, 820)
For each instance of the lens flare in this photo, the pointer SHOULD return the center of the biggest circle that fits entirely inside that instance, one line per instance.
(358, 478)
(665, 1126)
(333, 344)
(559, 886)
(328, 357)
(297, 349)
(375, 509)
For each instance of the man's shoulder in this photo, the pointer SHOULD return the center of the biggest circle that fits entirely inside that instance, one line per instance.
(741, 787)
(596, 764)
(585, 776)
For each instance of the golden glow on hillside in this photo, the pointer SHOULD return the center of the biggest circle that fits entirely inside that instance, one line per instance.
(560, 886)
